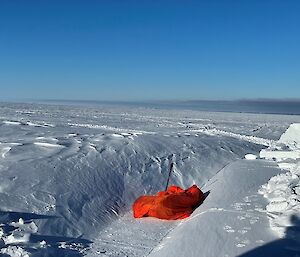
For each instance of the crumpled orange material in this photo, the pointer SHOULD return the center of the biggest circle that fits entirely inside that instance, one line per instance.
(173, 204)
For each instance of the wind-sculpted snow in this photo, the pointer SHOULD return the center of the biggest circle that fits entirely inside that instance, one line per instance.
(81, 167)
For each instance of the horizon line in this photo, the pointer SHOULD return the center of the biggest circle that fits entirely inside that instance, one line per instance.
(263, 99)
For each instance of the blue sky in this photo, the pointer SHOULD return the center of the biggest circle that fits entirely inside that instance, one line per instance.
(149, 49)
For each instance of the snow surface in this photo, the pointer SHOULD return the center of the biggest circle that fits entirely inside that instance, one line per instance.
(231, 221)
(69, 175)
(283, 190)
(250, 156)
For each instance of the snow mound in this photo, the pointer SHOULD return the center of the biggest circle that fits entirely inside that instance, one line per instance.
(283, 190)
(250, 156)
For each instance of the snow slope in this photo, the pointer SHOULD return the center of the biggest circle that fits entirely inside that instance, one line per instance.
(235, 199)
(71, 173)
(231, 221)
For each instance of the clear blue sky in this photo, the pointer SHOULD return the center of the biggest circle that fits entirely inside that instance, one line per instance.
(149, 49)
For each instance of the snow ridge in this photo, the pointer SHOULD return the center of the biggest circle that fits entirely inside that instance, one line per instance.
(105, 127)
(251, 139)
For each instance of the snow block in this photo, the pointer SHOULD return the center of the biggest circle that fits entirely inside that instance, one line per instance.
(291, 137)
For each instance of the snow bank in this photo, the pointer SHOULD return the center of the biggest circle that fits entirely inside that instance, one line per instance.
(283, 190)
(231, 221)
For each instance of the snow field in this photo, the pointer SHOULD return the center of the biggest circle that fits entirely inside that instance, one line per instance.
(80, 168)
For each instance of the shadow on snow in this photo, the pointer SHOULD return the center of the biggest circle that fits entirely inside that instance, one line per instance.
(288, 246)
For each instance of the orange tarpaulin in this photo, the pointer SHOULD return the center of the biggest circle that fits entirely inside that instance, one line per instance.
(175, 203)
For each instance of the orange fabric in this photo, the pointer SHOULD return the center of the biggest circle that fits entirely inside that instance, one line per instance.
(175, 203)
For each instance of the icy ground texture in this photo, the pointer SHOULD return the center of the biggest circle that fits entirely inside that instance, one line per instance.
(283, 191)
(72, 172)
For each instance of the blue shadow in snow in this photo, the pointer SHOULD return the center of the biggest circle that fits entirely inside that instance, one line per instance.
(286, 247)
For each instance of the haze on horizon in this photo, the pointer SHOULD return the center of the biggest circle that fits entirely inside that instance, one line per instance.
(149, 50)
